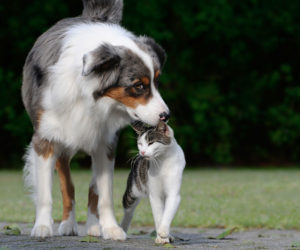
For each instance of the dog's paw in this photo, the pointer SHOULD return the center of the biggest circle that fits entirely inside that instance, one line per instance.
(160, 240)
(114, 233)
(42, 231)
(92, 225)
(68, 228)
(94, 230)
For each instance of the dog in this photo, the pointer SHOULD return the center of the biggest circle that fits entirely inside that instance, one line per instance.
(84, 80)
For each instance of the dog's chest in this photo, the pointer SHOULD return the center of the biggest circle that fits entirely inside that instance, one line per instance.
(81, 126)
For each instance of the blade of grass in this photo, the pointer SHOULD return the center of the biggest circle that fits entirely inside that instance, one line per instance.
(223, 235)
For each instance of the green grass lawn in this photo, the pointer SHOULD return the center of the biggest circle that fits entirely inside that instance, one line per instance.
(210, 198)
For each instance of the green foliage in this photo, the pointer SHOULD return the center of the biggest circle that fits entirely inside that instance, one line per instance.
(231, 79)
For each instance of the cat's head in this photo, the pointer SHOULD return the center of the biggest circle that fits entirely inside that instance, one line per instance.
(152, 141)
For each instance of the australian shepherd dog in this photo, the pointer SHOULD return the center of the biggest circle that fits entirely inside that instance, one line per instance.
(84, 80)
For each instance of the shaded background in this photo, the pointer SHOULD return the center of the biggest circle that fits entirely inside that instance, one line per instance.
(231, 79)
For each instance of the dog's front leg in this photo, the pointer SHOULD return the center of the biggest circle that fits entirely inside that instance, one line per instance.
(41, 159)
(103, 167)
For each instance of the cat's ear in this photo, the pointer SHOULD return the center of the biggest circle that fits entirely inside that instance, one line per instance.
(139, 127)
(162, 127)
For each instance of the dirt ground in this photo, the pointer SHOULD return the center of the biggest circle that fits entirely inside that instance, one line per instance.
(185, 238)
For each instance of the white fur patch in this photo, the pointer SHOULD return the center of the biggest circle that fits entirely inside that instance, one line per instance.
(43, 173)
(92, 225)
(69, 226)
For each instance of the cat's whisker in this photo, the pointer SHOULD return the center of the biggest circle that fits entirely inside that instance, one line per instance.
(134, 159)
(156, 164)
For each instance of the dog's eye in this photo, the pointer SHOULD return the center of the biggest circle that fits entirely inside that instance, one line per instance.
(139, 86)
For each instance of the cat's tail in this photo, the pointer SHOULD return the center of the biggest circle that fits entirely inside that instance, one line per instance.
(103, 10)
(130, 201)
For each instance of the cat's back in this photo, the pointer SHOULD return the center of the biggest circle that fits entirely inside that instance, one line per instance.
(174, 159)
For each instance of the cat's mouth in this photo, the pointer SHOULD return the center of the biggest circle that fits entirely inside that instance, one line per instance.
(145, 156)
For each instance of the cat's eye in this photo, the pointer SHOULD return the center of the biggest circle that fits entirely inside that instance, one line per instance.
(150, 143)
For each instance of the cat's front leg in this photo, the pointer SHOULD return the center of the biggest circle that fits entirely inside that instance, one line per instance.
(157, 206)
(163, 230)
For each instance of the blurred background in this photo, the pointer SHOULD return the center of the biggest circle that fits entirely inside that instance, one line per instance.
(231, 79)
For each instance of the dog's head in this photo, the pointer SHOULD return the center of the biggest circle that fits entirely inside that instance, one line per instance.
(130, 77)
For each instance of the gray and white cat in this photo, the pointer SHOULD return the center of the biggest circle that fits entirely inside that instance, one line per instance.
(156, 173)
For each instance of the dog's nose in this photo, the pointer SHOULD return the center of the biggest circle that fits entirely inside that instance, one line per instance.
(164, 116)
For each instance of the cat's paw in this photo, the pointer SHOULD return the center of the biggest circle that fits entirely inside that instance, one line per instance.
(163, 233)
(163, 237)
(114, 233)
(159, 240)
(68, 228)
(42, 231)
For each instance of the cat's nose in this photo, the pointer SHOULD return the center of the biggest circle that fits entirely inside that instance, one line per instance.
(143, 153)
(164, 116)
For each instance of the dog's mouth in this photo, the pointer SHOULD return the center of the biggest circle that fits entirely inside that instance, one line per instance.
(138, 119)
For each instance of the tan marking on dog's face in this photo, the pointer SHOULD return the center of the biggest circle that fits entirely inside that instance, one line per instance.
(129, 96)
(145, 80)
(42, 147)
(66, 185)
(157, 74)
(93, 201)
(156, 78)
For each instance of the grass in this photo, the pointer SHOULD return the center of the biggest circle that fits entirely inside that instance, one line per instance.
(210, 198)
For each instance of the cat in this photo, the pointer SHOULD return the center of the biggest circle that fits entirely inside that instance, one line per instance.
(156, 173)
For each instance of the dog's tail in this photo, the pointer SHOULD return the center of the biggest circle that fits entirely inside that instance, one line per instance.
(103, 10)
(29, 172)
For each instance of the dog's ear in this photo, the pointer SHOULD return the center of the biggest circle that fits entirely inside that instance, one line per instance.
(139, 127)
(102, 59)
(158, 50)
